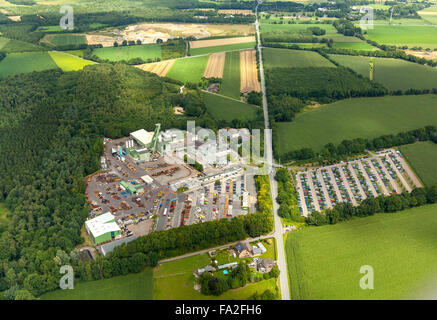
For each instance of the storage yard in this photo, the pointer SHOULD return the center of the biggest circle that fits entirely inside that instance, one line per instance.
(146, 192)
(385, 173)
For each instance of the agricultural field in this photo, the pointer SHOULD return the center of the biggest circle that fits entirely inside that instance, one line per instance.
(249, 72)
(400, 35)
(160, 68)
(429, 14)
(13, 46)
(231, 75)
(220, 42)
(395, 74)
(188, 69)
(68, 62)
(175, 281)
(422, 158)
(145, 52)
(215, 65)
(135, 286)
(229, 47)
(325, 261)
(286, 58)
(224, 108)
(270, 27)
(61, 40)
(356, 118)
(359, 46)
(16, 63)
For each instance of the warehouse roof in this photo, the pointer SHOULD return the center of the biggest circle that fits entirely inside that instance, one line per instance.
(142, 136)
(147, 179)
(102, 224)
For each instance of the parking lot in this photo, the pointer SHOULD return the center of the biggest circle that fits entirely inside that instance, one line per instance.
(384, 173)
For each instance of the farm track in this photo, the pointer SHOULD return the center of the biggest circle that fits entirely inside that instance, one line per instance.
(248, 72)
(215, 66)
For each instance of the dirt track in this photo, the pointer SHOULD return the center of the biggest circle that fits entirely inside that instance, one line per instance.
(249, 72)
(215, 66)
(159, 68)
(220, 42)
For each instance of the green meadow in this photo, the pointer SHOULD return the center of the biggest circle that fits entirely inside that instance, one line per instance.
(324, 262)
(229, 47)
(68, 62)
(224, 108)
(286, 58)
(189, 69)
(356, 118)
(16, 63)
(231, 75)
(422, 158)
(400, 35)
(395, 74)
(145, 52)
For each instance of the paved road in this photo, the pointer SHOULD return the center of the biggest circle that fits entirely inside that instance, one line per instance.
(278, 233)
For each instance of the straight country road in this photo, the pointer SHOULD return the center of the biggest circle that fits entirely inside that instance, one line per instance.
(268, 149)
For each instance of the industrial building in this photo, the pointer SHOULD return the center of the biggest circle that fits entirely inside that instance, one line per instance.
(103, 228)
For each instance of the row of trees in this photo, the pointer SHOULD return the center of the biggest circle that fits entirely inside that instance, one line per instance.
(287, 200)
(371, 206)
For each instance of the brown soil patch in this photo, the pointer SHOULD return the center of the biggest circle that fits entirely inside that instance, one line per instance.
(249, 72)
(215, 66)
(430, 55)
(159, 68)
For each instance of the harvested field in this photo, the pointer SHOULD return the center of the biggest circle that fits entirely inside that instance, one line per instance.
(220, 42)
(430, 55)
(248, 71)
(243, 12)
(159, 68)
(215, 66)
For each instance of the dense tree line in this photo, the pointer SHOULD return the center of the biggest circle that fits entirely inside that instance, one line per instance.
(371, 206)
(331, 153)
(287, 200)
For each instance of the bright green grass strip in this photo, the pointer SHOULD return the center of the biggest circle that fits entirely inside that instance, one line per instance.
(286, 58)
(354, 46)
(230, 47)
(324, 262)
(69, 62)
(356, 118)
(135, 286)
(3, 42)
(189, 69)
(231, 75)
(16, 63)
(223, 108)
(420, 36)
(145, 52)
(395, 74)
(422, 157)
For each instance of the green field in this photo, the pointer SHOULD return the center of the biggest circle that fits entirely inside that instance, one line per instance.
(286, 58)
(175, 281)
(270, 27)
(4, 220)
(429, 14)
(135, 286)
(223, 108)
(16, 63)
(68, 39)
(12, 46)
(68, 62)
(230, 47)
(356, 118)
(189, 69)
(145, 52)
(231, 75)
(3, 42)
(395, 74)
(422, 158)
(364, 46)
(324, 262)
(399, 35)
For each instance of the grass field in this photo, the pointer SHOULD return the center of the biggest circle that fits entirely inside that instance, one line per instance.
(231, 75)
(412, 35)
(229, 47)
(324, 262)
(223, 108)
(68, 39)
(68, 62)
(175, 281)
(360, 46)
(286, 58)
(16, 63)
(393, 73)
(188, 69)
(12, 46)
(270, 27)
(145, 52)
(135, 286)
(4, 220)
(356, 118)
(422, 158)
(429, 14)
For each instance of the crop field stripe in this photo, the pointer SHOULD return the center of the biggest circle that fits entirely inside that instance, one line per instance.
(159, 68)
(287, 58)
(69, 62)
(215, 65)
(220, 42)
(231, 75)
(226, 48)
(249, 72)
(145, 51)
(189, 69)
(16, 63)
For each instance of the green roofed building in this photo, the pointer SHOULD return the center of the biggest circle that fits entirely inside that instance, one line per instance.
(103, 228)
